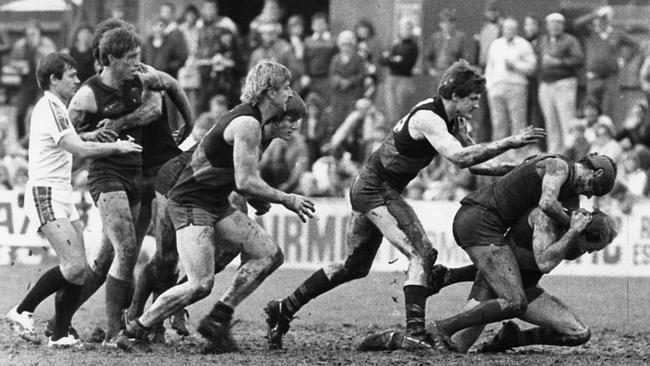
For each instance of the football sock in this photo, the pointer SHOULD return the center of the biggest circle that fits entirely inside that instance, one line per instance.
(117, 296)
(460, 274)
(64, 307)
(313, 286)
(415, 300)
(49, 283)
(221, 312)
(92, 283)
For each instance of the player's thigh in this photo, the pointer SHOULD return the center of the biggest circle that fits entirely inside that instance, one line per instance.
(498, 266)
(115, 211)
(238, 231)
(196, 251)
(548, 311)
(65, 241)
(363, 240)
(398, 222)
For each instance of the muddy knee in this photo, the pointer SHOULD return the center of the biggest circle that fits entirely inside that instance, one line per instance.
(514, 307)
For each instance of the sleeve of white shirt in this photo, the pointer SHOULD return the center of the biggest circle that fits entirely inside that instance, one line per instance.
(57, 123)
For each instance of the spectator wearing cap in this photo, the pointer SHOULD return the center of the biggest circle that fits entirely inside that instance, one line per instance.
(296, 38)
(560, 58)
(446, 45)
(347, 72)
(400, 59)
(510, 60)
(602, 45)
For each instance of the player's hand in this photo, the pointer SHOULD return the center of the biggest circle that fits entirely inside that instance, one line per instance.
(303, 207)
(579, 220)
(527, 136)
(261, 207)
(181, 134)
(127, 146)
(103, 134)
(110, 124)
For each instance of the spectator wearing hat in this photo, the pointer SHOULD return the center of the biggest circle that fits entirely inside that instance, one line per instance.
(560, 58)
(446, 46)
(510, 60)
(602, 45)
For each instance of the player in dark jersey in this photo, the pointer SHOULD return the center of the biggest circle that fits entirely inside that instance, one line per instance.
(226, 159)
(435, 126)
(539, 245)
(550, 182)
(108, 101)
(163, 265)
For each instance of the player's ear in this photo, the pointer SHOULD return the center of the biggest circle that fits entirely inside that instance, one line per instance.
(599, 172)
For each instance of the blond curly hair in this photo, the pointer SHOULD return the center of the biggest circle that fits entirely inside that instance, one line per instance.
(264, 76)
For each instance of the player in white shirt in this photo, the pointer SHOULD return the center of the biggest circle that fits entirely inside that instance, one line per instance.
(48, 196)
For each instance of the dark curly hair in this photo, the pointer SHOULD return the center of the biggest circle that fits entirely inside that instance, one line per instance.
(461, 79)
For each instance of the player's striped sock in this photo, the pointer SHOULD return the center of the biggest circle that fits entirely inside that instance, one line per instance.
(415, 301)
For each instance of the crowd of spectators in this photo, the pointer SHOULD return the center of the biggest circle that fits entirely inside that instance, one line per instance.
(588, 88)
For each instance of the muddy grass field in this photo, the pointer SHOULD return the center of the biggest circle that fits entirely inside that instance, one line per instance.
(328, 329)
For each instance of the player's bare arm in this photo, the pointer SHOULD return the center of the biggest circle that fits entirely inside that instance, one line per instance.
(82, 103)
(72, 143)
(549, 250)
(430, 126)
(556, 172)
(149, 111)
(490, 167)
(157, 80)
(246, 136)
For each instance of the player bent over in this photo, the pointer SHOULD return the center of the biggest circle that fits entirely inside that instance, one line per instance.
(540, 244)
(48, 196)
(435, 126)
(226, 159)
(547, 182)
